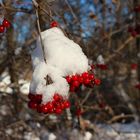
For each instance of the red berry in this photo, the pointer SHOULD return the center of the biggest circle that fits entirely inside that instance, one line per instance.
(62, 106)
(39, 109)
(72, 88)
(49, 105)
(102, 66)
(58, 110)
(91, 76)
(32, 105)
(97, 81)
(6, 23)
(57, 97)
(54, 24)
(85, 75)
(44, 108)
(74, 78)
(38, 97)
(51, 110)
(66, 104)
(87, 81)
(68, 78)
(75, 84)
(2, 28)
(80, 79)
(31, 96)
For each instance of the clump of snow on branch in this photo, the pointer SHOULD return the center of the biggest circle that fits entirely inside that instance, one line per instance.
(64, 57)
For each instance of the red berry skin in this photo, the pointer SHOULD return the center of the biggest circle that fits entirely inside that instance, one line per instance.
(32, 105)
(35, 97)
(56, 97)
(72, 88)
(6, 23)
(62, 106)
(80, 79)
(66, 104)
(91, 77)
(39, 109)
(87, 81)
(44, 108)
(74, 78)
(75, 84)
(58, 111)
(49, 106)
(54, 24)
(38, 98)
(31, 96)
(85, 75)
(97, 82)
(68, 78)
(2, 29)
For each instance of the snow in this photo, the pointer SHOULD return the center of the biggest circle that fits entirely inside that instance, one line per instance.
(5, 84)
(64, 57)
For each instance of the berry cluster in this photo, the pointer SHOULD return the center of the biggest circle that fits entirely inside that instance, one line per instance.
(86, 79)
(5, 24)
(57, 105)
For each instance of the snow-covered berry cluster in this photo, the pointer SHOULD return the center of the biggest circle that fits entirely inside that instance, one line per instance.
(66, 69)
(57, 105)
(5, 24)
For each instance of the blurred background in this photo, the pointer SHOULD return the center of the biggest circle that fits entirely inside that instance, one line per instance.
(109, 33)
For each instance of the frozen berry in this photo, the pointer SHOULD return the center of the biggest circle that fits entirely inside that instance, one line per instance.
(68, 78)
(97, 81)
(2, 29)
(85, 75)
(6, 23)
(44, 108)
(74, 77)
(32, 105)
(91, 76)
(56, 97)
(87, 81)
(80, 79)
(54, 24)
(75, 84)
(66, 104)
(58, 110)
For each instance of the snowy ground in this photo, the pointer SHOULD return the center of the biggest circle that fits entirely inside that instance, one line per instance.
(113, 132)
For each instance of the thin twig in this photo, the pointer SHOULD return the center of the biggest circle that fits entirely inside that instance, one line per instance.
(38, 25)
(119, 49)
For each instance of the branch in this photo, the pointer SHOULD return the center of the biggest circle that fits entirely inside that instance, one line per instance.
(119, 49)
